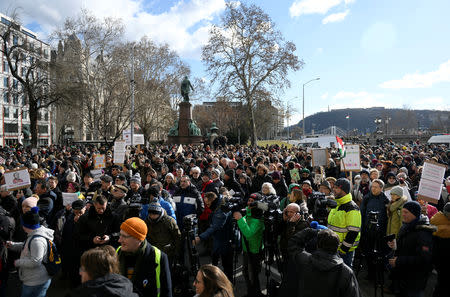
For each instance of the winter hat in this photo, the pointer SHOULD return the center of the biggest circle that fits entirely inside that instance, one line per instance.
(106, 178)
(276, 175)
(397, 190)
(306, 181)
(293, 186)
(325, 183)
(390, 174)
(446, 210)
(169, 175)
(34, 166)
(343, 184)
(305, 170)
(153, 191)
(78, 204)
(136, 178)
(255, 196)
(154, 208)
(71, 177)
(135, 227)
(317, 226)
(230, 173)
(31, 219)
(414, 208)
(122, 188)
(216, 172)
(206, 173)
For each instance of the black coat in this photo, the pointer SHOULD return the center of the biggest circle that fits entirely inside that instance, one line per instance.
(281, 188)
(414, 256)
(258, 181)
(92, 224)
(319, 274)
(145, 273)
(111, 285)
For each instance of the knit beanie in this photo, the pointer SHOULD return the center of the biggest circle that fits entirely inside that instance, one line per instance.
(414, 208)
(31, 219)
(135, 227)
(136, 178)
(397, 190)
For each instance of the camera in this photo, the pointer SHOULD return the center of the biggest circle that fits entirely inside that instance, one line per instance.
(373, 217)
(321, 204)
(233, 204)
(190, 221)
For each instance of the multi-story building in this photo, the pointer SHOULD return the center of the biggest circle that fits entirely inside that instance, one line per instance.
(14, 115)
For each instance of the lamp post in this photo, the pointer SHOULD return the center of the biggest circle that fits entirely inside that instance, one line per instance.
(304, 102)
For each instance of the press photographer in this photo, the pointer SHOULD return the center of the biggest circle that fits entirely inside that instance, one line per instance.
(294, 220)
(252, 228)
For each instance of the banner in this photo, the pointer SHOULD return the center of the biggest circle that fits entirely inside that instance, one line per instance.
(430, 186)
(320, 157)
(351, 161)
(138, 138)
(17, 179)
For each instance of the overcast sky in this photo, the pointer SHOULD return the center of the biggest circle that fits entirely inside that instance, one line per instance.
(390, 53)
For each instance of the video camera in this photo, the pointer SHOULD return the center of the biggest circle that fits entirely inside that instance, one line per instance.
(321, 204)
(190, 221)
(233, 204)
(271, 211)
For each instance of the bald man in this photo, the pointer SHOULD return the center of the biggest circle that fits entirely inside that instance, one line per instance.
(294, 220)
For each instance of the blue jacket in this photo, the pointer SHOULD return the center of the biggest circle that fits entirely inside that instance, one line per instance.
(188, 201)
(164, 204)
(219, 229)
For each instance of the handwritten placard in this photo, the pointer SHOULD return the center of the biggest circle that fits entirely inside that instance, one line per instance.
(68, 198)
(17, 179)
(351, 161)
(430, 186)
(320, 157)
(120, 148)
(99, 161)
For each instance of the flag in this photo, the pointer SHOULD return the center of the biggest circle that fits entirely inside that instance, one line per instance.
(341, 147)
(347, 117)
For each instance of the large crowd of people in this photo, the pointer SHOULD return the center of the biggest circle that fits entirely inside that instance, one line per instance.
(135, 228)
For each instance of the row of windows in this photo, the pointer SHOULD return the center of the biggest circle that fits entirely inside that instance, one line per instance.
(15, 98)
(15, 114)
(14, 128)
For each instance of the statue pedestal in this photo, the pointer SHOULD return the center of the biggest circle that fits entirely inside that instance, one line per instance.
(184, 119)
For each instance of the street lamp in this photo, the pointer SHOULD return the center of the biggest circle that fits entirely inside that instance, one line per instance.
(304, 102)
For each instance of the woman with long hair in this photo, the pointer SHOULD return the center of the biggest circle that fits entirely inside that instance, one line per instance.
(212, 282)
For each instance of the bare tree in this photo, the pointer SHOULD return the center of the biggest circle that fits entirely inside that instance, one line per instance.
(247, 57)
(30, 66)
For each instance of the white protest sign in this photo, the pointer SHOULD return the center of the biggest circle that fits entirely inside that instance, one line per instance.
(17, 179)
(96, 174)
(34, 151)
(430, 185)
(68, 198)
(120, 148)
(320, 157)
(138, 138)
(99, 161)
(351, 161)
(405, 193)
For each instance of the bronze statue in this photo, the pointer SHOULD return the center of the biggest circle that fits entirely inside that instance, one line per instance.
(174, 130)
(185, 88)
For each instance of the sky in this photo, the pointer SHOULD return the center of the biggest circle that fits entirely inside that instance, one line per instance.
(391, 53)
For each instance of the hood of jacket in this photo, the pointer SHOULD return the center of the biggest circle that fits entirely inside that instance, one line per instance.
(424, 225)
(42, 231)
(109, 285)
(324, 261)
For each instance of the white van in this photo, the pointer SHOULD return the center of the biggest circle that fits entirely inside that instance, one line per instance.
(319, 141)
(440, 139)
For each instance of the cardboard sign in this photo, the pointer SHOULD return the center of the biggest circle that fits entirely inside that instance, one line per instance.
(430, 186)
(120, 148)
(68, 198)
(138, 138)
(351, 161)
(17, 179)
(320, 157)
(96, 174)
(99, 161)
(295, 175)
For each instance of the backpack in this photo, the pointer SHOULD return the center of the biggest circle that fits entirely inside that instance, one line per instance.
(52, 262)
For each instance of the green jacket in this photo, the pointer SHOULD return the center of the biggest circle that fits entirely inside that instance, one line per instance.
(394, 212)
(345, 221)
(252, 230)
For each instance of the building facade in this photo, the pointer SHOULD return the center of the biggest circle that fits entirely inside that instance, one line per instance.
(14, 115)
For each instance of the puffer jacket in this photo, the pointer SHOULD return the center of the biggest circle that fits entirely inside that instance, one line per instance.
(112, 285)
(31, 270)
(252, 230)
(394, 212)
(164, 234)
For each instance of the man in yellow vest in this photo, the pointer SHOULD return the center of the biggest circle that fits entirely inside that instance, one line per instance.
(345, 220)
(145, 265)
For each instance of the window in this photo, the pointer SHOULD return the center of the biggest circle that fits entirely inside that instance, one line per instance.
(6, 112)
(15, 40)
(11, 127)
(16, 113)
(24, 100)
(6, 82)
(16, 99)
(39, 116)
(6, 97)
(15, 84)
(23, 71)
(5, 66)
(24, 115)
(43, 129)
(46, 116)
(31, 46)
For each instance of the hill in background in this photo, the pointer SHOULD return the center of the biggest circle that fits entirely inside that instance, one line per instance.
(362, 120)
